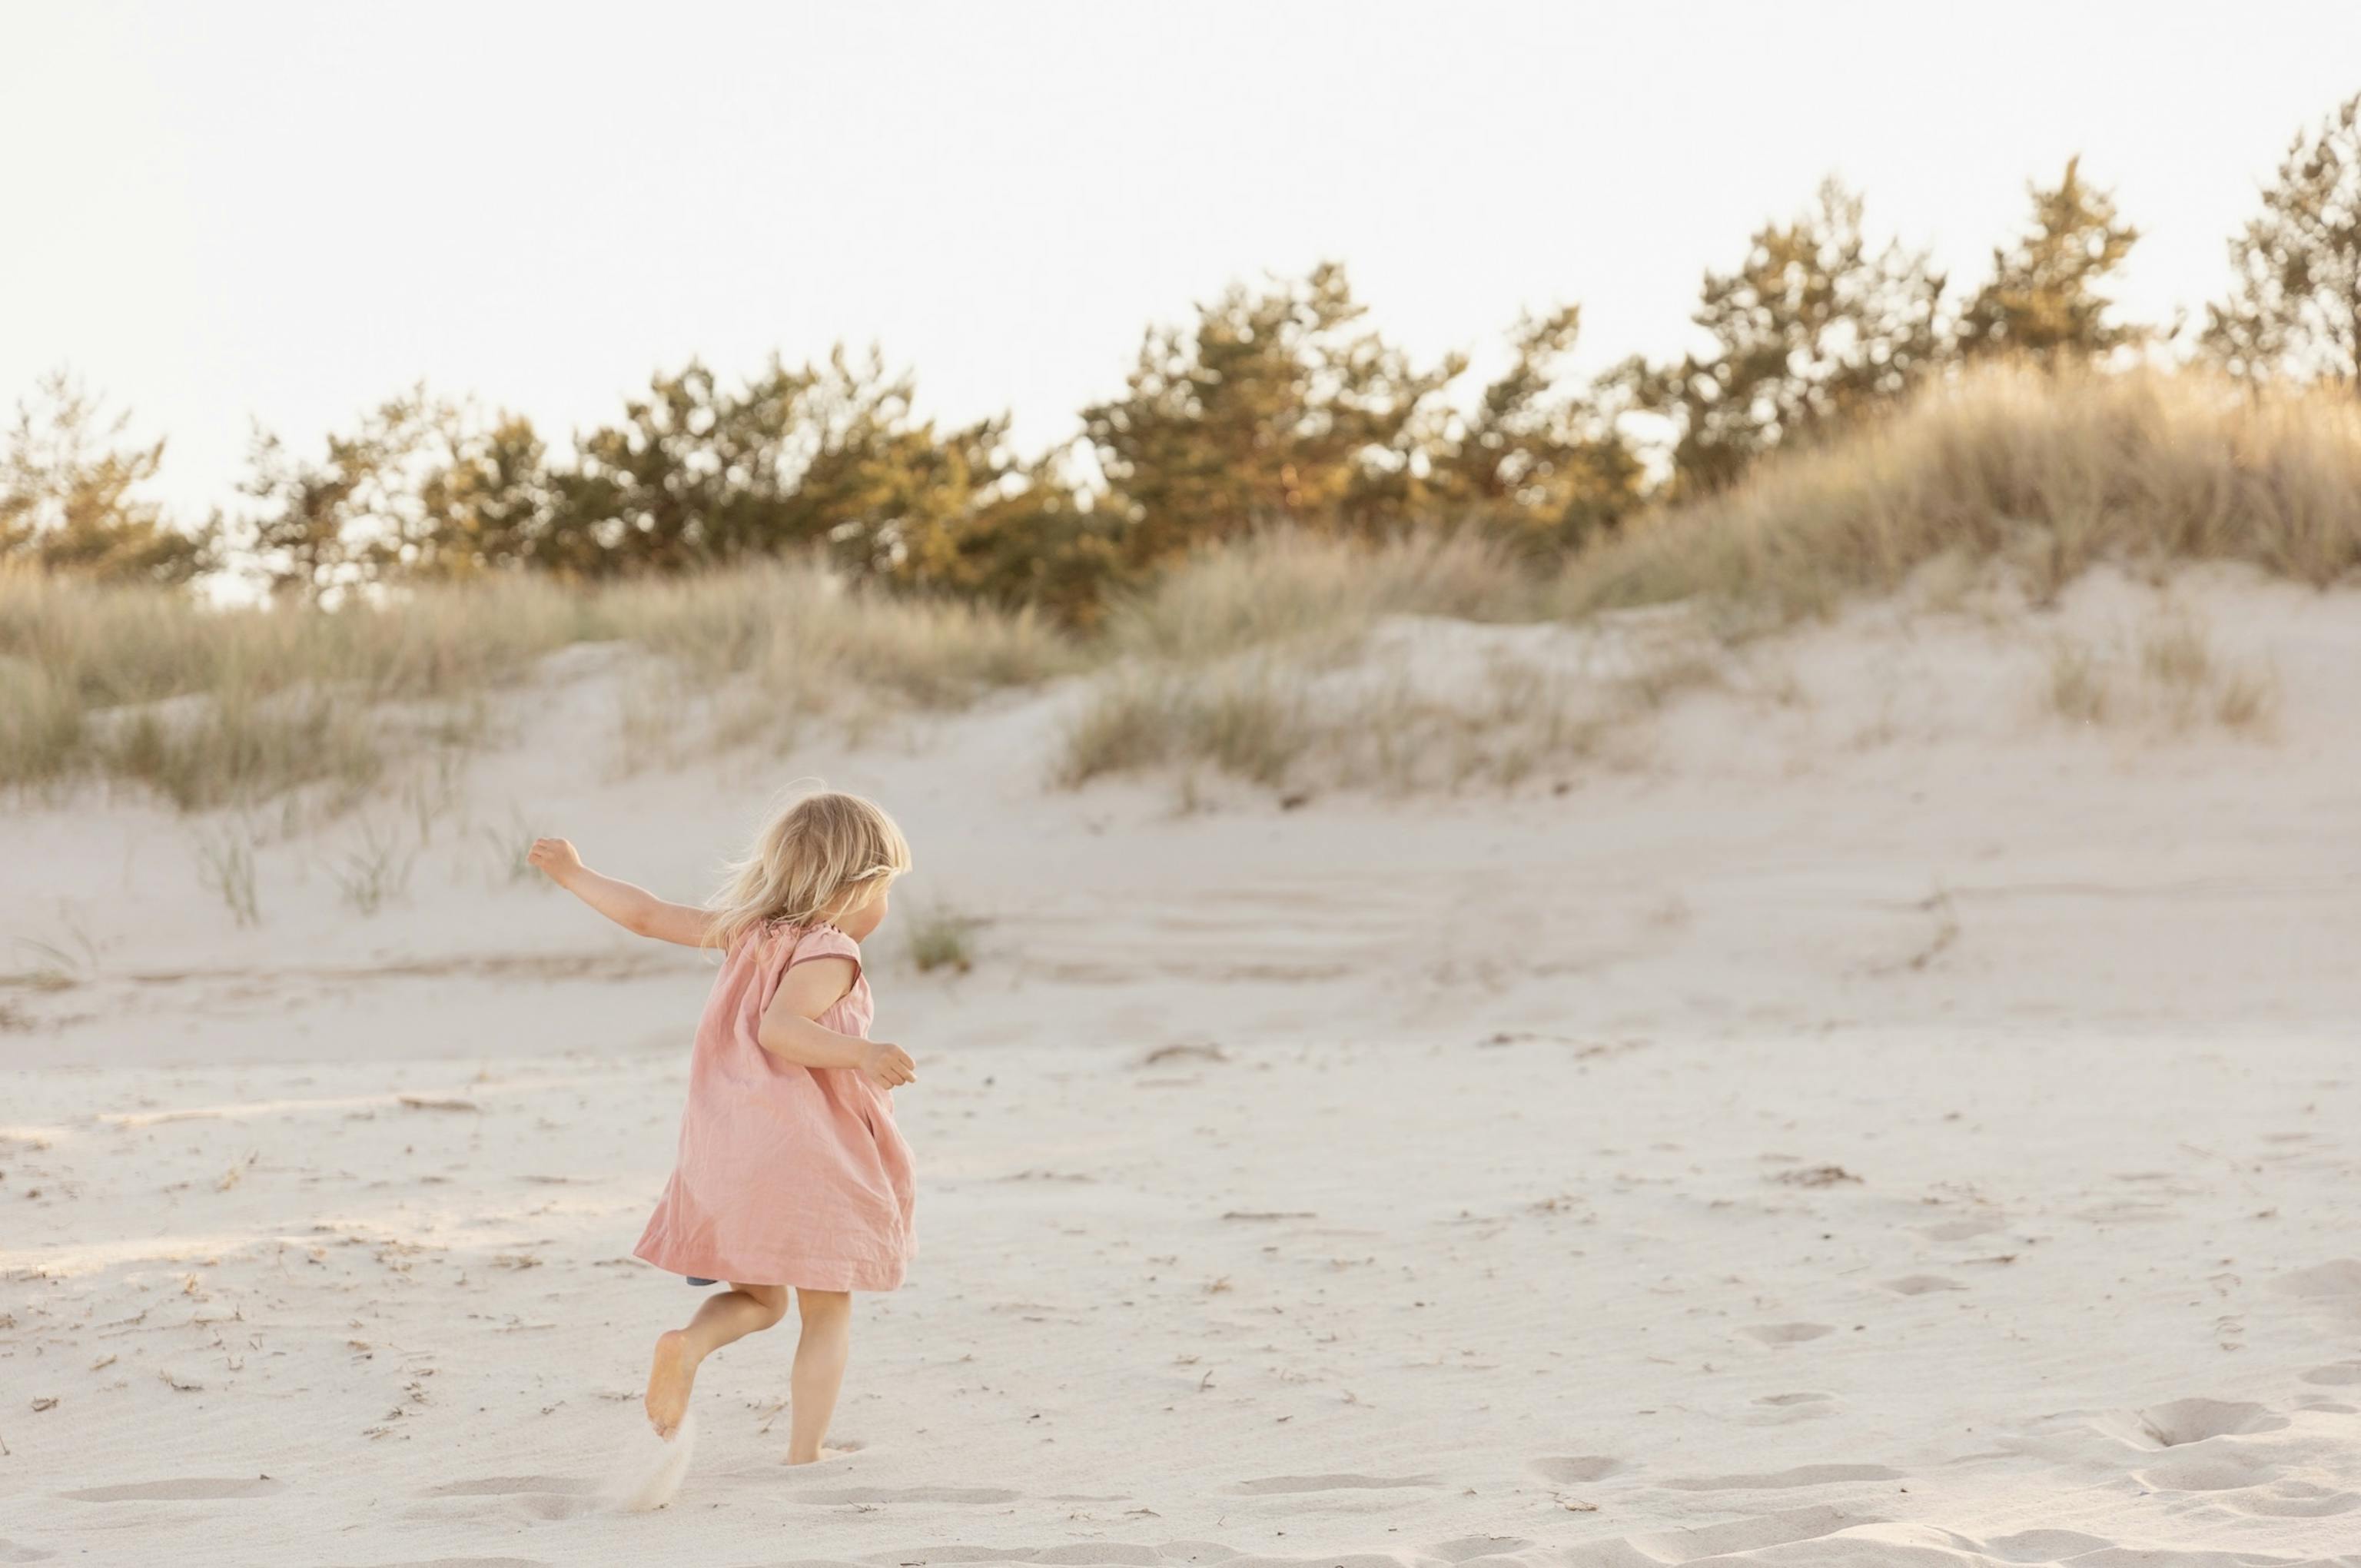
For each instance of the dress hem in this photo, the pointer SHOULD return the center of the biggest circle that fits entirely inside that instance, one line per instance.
(849, 1276)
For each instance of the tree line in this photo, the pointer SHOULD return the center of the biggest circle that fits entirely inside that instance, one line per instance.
(1277, 404)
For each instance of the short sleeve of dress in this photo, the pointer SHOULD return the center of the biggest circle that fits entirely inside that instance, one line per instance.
(825, 942)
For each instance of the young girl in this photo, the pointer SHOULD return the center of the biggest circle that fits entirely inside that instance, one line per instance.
(791, 1173)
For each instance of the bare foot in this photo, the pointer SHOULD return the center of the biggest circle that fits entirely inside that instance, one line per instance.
(671, 1375)
(815, 1459)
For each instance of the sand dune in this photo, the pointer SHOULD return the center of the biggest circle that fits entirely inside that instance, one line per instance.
(1891, 1127)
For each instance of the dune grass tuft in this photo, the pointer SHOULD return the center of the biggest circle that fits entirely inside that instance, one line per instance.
(1220, 662)
(2047, 473)
(225, 866)
(214, 706)
(2080, 688)
(942, 937)
(1317, 596)
(805, 637)
(2166, 672)
(376, 868)
(1252, 722)
(770, 645)
(1273, 723)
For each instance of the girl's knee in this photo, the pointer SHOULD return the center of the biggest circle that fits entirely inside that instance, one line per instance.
(772, 1298)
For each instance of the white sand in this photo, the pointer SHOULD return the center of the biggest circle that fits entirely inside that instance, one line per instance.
(1880, 1126)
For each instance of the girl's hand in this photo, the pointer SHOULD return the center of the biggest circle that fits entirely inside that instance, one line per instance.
(555, 857)
(886, 1065)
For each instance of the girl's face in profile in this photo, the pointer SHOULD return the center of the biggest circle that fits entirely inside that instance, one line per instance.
(864, 917)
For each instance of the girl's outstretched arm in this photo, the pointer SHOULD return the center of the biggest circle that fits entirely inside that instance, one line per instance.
(635, 909)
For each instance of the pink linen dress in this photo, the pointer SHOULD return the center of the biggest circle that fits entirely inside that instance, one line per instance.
(786, 1175)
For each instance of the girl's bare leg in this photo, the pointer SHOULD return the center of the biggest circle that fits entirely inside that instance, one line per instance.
(821, 1355)
(733, 1314)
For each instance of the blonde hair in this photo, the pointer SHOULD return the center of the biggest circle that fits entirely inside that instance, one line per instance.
(819, 857)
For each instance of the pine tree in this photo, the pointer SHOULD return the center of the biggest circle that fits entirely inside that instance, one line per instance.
(1533, 462)
(70, 501)
(484, 497)
(324, 526)
(827, 456)
(689, 477)
(2294, 306)
(2043, 297)
(1274, 407)
(1812, 329)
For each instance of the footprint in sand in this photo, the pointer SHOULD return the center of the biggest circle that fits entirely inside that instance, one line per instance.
(1786, 1333)
(1960, 1230)
(2336, 1374)
(1778, 1480)
(2333, 1285)
(1922, 1285)
(1276, 1484)
(2223, 1470)
(2341, 1278)
(2185, 1431)
(1097, 1554)
(534, 1497)
(2047, 1545)
(507, 1486)
(875, 1494)
(182, 1489)
(522, 1495)
(1469, 1548)
(2184, 1421)
(2300, 1500)
(2194, 1420)
(1787, 1528)
(1576, 1468)
(12, 1552)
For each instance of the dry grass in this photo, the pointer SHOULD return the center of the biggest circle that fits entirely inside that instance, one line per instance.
(2045, 473)
(771, 646)
(807, 638)
(2166, 674)
(237, 747)
(1238, 661)
(1280, 725)
(226, 865)
(1252, 721)
(215, 707)
(2176, 652)
(2080, 688)
(1516, 719)
(1316, 596)
(2247, 700)
(218, 706)
(942, 937)
(506, 852)
(376, 868)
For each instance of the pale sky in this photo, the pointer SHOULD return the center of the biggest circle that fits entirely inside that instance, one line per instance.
(234, 211)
